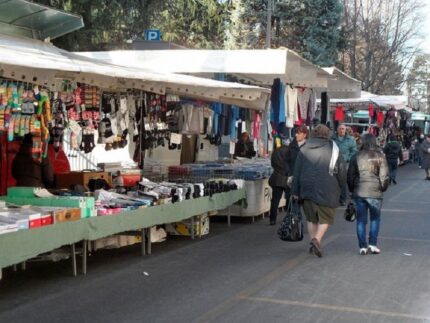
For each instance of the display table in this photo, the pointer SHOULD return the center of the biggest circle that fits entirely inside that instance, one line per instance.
(258, 196)
(17, 247)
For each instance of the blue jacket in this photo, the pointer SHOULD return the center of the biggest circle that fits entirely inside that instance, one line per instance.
(347, 147)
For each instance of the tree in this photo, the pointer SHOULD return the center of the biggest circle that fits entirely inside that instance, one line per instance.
(109, 24)
(310, 27)
(380, 44)
(418, 83)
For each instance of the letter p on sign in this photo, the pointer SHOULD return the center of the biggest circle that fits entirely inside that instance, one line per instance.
(152, 34)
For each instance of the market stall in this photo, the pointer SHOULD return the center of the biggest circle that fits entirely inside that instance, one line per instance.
(62, 99)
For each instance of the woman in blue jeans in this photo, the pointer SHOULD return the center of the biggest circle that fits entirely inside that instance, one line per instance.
(367, 180)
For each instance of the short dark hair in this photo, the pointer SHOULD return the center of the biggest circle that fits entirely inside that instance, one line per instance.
(303, 129)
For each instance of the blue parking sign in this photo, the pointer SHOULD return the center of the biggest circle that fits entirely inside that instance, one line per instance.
(152, 34)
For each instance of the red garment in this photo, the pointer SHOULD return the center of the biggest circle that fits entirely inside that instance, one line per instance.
(371, 110)
(339, 115)
(380, 117)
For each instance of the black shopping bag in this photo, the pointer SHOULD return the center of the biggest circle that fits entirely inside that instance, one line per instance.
(291, 228)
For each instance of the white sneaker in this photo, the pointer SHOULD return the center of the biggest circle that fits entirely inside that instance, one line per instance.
(363, 251)
(374, 249)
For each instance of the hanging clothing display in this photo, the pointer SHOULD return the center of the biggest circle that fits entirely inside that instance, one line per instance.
(292, 106)
(303, 97)
(339, 115)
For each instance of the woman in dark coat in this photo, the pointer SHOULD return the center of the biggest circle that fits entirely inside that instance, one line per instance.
(30, 172)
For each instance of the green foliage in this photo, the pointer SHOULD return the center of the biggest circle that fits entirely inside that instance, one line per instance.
(310, 27)
(109, 23)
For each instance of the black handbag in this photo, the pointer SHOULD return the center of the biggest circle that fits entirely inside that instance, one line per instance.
(350, 213)
(291, 228)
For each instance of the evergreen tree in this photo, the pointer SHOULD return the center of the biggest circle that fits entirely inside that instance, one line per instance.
(310, 27)
(109, 24)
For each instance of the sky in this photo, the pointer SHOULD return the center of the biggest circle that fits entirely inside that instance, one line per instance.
(426, 28)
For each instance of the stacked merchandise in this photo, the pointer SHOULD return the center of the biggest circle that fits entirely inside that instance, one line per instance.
(251, 170)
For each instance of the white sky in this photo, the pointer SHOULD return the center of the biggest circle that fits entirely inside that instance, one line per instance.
(426, 28)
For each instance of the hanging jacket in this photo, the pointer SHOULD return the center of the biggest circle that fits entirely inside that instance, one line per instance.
(368, 174)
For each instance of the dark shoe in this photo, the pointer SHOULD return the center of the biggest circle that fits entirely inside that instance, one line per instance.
(316, 248)
(428, 178)
(272, 222)
(394, 182)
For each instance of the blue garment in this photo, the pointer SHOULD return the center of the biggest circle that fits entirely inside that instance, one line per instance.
(365, 206)
(275, 102)
(233, 121)
(282, 117)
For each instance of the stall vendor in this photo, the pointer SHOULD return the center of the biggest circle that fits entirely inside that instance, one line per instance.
(244, 147)
(31, 172)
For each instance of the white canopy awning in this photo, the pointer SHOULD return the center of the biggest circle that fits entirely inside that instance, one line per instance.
(343, 85)
(253, 66)
(39, 62)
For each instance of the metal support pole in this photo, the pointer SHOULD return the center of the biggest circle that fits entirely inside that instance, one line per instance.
(84, 256)
(143, 243)
(23, 266)
(148, 234)
(75, 272)
(228, 217)
(269, 23)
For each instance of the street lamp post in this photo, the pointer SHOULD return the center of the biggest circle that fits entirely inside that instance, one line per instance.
(269, 23)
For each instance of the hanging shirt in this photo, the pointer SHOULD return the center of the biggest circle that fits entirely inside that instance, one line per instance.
(380, 117)
(291, 106)
(256, 125)
(339, 115)
(303, 97)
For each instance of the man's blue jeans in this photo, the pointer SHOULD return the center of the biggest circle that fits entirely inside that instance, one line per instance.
(364, 207)
(392, 168)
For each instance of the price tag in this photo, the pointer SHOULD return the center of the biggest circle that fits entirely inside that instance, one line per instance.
(175, 138)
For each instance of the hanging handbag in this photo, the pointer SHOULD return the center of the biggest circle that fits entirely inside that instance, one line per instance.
(291, 228)
(350, 212)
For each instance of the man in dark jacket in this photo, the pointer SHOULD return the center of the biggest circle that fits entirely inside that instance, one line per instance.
(393, 152)
(367, 180)
(319, 174)
(30, 172)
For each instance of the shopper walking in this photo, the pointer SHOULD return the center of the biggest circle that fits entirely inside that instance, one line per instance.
(278, 179)
(319, 174)
(393, 152)
(425, 151)
(348, 148)
(367, 180)
(301, 134)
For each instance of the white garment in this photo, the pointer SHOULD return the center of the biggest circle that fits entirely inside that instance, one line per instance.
(334, 157)
(193, 119)
(303, 97)
(291, 106)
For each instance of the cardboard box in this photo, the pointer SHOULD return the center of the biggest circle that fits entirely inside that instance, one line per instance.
(67, 180)
(60, 214)
(184, 228)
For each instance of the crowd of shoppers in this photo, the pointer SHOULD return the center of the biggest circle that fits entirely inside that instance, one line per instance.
(328, 169)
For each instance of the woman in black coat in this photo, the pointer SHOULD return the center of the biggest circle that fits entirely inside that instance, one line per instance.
(283, 160)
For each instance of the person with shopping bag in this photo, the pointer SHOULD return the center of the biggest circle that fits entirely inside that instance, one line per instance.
(367, 179)
(319, 174)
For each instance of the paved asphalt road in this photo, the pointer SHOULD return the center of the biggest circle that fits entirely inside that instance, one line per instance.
(245, 274)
